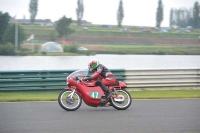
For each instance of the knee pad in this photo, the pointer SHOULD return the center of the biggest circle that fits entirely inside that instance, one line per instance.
(98, 83)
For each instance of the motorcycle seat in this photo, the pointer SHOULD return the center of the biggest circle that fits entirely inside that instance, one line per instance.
(116, 83)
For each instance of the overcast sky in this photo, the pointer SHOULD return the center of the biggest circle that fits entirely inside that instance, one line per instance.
(137, 12)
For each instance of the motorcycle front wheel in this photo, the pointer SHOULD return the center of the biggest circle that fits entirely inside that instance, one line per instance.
(68, 101)
(122, 100)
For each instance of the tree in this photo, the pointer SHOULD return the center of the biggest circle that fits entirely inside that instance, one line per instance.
(120, 13)
(9, 35)
(33, 8)
(7, 49)
(181, 17)
(62, 26)
(4, 19)
(178, 16)
(196, 11)
(159, 14)
(171, 17)
(190, 22)
(79, 11)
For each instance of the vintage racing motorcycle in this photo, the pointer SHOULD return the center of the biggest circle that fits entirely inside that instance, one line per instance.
(71, 98)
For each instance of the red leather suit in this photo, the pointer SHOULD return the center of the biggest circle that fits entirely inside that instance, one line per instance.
(105, 74)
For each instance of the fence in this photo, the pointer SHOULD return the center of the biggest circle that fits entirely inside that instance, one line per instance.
(163, 79)
(135, 79)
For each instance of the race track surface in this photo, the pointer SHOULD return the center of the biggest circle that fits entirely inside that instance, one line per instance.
(143, 116)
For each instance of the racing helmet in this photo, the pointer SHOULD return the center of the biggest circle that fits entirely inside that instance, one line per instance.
(93, 63)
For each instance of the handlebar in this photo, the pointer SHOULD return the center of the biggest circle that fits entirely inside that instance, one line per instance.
(78, 78)
(75, 78)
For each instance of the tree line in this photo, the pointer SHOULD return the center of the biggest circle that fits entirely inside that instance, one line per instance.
(185, 17)
(181, 17)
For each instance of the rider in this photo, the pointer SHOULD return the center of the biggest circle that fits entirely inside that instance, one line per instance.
(103, 75)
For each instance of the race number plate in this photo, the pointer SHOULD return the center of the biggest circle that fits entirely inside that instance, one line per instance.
(95, 94)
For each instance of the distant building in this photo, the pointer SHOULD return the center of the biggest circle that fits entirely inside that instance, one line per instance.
(82, 22)
(107, 26)
(28, 21)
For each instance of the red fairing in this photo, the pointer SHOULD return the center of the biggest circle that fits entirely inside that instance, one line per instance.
(92, 94)
(88, 90)
(122, 84)
(85, 90)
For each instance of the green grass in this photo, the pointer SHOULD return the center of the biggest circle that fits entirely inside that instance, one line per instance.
(43, 33)
(39, 33)
(27, 96)
(147, 49)
(164, 94)
(52, 96)
(98, 31)
(57, 54)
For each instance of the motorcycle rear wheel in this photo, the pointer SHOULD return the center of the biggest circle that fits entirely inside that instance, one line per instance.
(69, 103)
(123, 101)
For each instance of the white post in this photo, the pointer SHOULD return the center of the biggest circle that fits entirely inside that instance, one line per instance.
(33, 46)
(16, 34)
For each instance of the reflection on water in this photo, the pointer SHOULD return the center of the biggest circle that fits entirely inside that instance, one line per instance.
(111, 61)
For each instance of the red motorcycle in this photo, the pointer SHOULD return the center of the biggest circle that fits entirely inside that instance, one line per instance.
(78, 89)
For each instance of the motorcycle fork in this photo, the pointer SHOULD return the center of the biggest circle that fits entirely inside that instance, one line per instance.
(115, 92)
(71, 94)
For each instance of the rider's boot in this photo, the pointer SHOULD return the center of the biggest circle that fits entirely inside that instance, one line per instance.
(109, 94)
(105, 89)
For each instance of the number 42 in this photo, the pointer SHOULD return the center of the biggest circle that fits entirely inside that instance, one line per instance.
(95, 94)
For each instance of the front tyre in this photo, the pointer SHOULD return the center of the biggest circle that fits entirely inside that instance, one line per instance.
(68, 101)
(122, 100)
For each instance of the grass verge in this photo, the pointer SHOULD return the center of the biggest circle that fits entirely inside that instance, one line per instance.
(145, 49)
(165, 94)
(52, 96)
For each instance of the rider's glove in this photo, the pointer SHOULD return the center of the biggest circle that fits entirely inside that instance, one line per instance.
(87, 78)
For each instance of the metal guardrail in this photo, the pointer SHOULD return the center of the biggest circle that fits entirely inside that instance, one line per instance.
(38, 80)
(135, 79)
(163, 78)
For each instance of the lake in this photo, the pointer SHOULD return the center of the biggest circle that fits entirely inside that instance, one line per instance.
(110, 61)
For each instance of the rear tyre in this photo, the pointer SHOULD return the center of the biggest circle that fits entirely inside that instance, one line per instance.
(69, 103)
(122, 101)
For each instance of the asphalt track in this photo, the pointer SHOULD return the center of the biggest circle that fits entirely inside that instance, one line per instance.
(143, 116)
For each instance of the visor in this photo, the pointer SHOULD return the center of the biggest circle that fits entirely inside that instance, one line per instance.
(89, 67)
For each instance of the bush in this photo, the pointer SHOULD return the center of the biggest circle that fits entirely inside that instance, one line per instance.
(9, 35)
(86, 52)
(159, 52)
(7, 49)
(24, 51)
(71, 48)
(44, 53)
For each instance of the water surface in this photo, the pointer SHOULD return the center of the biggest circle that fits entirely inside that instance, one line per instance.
(111, 61)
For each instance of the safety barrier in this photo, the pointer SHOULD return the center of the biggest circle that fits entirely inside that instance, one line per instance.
(37, 80)
(163, 79)
(135, 79)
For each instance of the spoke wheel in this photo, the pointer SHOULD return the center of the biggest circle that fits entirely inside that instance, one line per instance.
(122, 100)
(68, 102)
